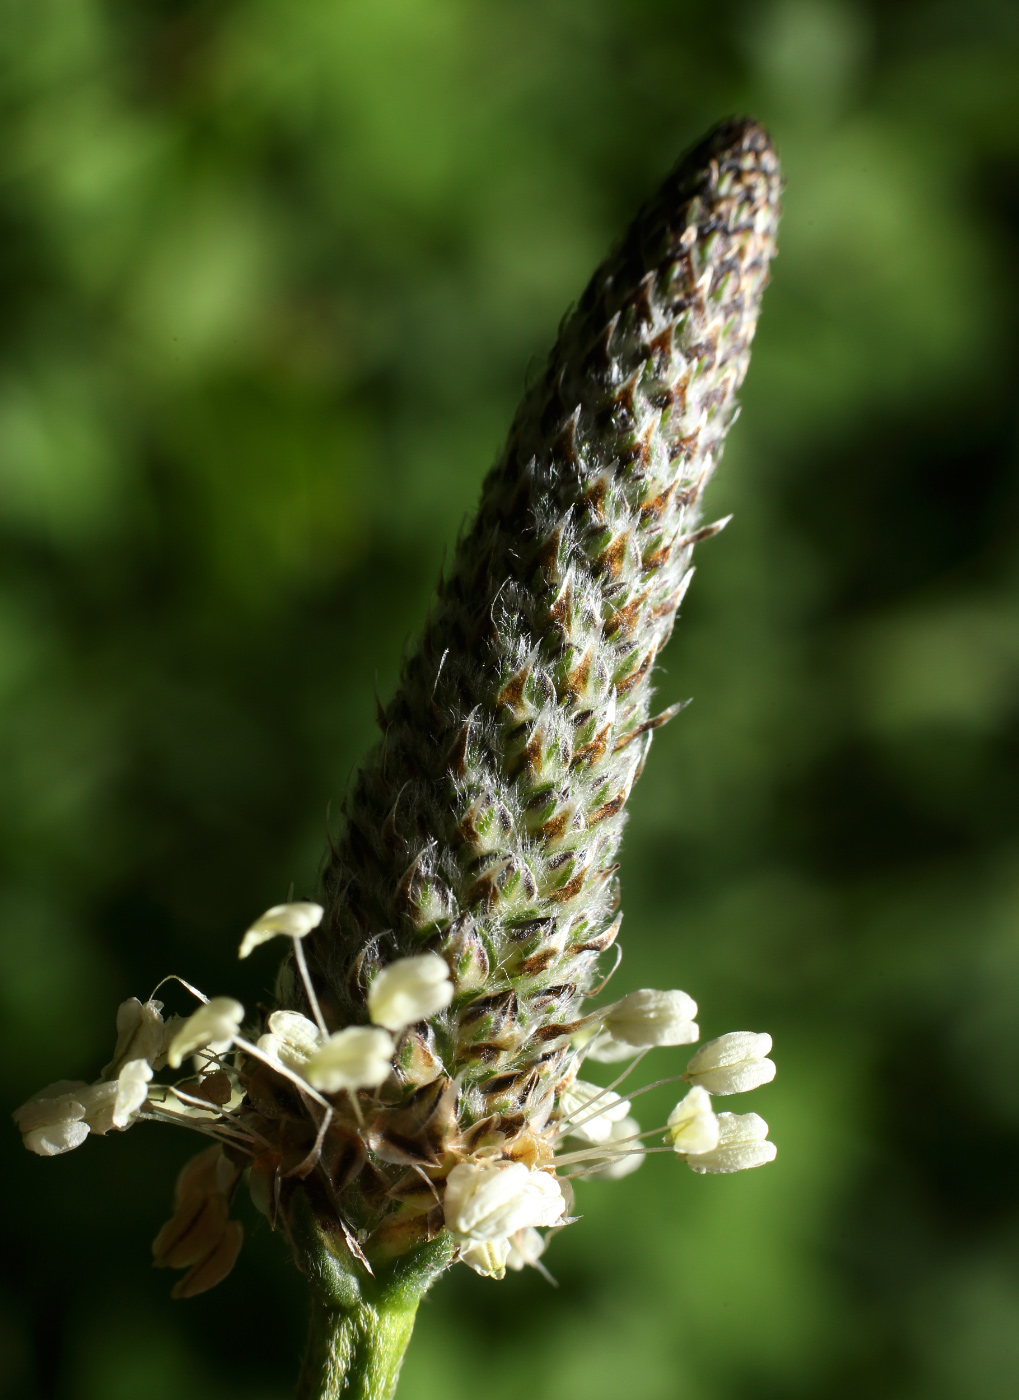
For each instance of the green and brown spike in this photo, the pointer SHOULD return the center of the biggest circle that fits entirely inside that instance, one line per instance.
(482, 833)
(486, 824)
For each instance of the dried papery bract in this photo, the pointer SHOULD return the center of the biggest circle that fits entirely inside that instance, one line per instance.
(414, 1097)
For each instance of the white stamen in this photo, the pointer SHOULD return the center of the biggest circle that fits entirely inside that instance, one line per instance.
(218, 1020)
(492, 1201)
(486, 1257)
(526, 1248)
(52, 1122)
(693, 1124)
(132, 1091)
(309, 987)
(732, 1064)
(408, 990)
(589, 1111)
(741, 1145)
(292, 1039)
(290, 920)
(358, 1057)
(644, 1018)
(139, 1035)
(628, 1156)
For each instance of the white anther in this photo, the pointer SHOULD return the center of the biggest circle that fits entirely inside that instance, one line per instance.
(218, 1020)
(408, 990)
(733, 1063)
(290, 920)
(492, 1201)
(693, 1123)
(741, 1145)
(356, 1058)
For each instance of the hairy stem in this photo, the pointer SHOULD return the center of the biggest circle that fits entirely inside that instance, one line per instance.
(361, 1322)
(356, 1352)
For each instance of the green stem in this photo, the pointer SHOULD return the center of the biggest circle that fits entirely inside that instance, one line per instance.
(356, 1352)
(360, 1322)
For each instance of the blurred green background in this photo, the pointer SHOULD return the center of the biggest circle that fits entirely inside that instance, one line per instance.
(271, 276)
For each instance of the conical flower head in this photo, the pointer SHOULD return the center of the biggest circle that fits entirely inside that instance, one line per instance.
(485, 827)
(419, 1072)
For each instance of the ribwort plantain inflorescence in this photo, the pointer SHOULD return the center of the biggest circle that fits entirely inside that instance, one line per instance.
(415, 1095)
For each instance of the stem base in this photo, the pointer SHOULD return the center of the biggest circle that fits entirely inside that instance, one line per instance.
(356, 1352)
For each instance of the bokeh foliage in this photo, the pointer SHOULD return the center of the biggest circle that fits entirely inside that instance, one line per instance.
(272, 273)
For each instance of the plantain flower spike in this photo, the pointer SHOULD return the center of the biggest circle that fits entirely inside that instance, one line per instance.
(485, 829)
(411, 1097)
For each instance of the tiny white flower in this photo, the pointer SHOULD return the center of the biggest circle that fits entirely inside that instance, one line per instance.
(170, 1028)
(52, 1122)
(741, 1145)
(356, 1058)
(525, 1249)
(292, 920)
(604, 1049)
(733, 1063)
(693, 1123)
(493, 1201)
(408, 990)
(114, 1103)
(100, 1101)
(218, 1020)
(627, 1158)
(291, 1039)
(132, 1088)
(593, 1110)
(486, 1257)
(55, 1138)
(642, 1019)
(139, 1034)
